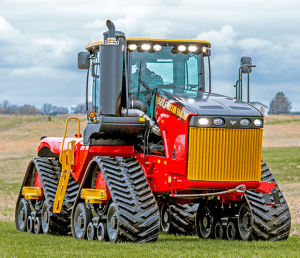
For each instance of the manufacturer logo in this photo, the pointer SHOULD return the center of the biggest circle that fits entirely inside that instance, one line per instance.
(233, 122)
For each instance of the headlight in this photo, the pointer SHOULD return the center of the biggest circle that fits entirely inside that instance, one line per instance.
(203, 121)
(146, 46)
(245, 122)
(203, 49)
(192, 48)
(132, 47)
(257, 122)
(182, 48)
(157, 47)
(218, 121)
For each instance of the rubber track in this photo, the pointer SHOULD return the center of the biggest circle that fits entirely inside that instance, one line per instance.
(183, 219)
(269, 222)
(49, 172)
(136, 206)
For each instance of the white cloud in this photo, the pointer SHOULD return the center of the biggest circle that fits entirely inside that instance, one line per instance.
(221, 40)
(7, 32)
(43, 72)
(36, 42)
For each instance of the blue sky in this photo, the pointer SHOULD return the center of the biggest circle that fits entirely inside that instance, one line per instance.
(39, 42)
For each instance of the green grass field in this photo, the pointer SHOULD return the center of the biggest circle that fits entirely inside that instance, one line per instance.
(18, 133)
(18, 244)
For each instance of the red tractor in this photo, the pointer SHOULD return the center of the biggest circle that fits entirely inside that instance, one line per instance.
(158, 153)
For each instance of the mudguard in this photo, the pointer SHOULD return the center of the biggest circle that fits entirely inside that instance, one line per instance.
(50, 146)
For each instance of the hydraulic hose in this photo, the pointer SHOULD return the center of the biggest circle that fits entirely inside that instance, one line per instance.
(239, 189)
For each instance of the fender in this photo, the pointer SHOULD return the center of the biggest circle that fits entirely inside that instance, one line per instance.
(50, 146)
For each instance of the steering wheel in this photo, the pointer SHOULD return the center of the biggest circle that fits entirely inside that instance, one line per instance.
(146, 86)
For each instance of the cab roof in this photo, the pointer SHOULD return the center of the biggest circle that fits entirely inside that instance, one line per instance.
(94, 45)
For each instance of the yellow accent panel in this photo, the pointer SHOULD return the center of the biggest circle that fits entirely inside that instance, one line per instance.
(224, 154)
(170, 40)
(30, 192)
(93, 195)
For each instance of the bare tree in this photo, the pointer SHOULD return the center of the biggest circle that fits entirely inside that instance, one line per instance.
(280, 104)
(81, 108)
(46, 109)
(58, 110)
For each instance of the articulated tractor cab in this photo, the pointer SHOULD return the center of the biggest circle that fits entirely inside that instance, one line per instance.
(159, 152)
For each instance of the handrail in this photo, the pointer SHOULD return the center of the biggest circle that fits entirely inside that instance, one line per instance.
(63, 142)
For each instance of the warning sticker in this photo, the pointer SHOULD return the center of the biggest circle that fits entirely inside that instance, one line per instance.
(166, 104)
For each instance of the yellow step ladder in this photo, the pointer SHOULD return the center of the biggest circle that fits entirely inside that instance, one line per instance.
(66, 158)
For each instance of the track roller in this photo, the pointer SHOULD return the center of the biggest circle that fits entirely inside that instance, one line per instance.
(29, 225)
(231, 231)
(37, 225)
(219, 231)
(102, 232)
(90, 233)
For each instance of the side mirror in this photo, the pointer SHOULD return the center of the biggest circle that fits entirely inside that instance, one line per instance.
(246, 61)
(83, 60)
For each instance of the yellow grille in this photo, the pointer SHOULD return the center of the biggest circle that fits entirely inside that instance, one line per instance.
(224, 154)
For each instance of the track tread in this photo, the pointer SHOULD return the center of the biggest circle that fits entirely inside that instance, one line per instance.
(126, 181)
(269, 222)
(183, 219)
(60, 224)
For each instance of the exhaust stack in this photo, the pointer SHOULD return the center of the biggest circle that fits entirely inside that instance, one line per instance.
(110, 73)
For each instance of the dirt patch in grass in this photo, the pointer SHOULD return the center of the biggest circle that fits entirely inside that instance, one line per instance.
(281, 131)
(7, 206)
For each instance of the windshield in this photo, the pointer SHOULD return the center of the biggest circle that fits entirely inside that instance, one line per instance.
(164, 69)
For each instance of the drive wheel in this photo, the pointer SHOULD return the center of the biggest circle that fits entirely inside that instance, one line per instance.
(113, 230)
(23, 212)
(205, 222)
(165, 218)
(245, 223)
(82, 218)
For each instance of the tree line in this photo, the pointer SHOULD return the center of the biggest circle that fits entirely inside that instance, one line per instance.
(47, 109)
(280, 104)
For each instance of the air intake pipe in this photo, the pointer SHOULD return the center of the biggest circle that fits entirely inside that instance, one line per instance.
(138, 104)
(139, 113)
